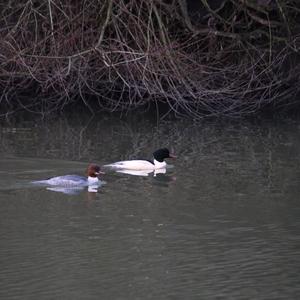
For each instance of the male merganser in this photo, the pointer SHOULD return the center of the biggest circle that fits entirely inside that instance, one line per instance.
(157, 163)
(71, 181)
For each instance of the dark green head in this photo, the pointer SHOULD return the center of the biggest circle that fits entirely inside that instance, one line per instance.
(162, 153)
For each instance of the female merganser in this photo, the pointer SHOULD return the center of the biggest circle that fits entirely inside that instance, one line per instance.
(74, 180)
(157, 163)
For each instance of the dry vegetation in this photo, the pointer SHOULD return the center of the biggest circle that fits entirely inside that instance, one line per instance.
(233, 58)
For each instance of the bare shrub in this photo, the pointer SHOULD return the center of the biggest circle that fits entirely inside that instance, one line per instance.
(232, 59)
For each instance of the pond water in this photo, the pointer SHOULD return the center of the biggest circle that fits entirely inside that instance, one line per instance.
(222, 223)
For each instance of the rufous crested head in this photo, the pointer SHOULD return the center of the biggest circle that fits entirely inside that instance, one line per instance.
(94, 170)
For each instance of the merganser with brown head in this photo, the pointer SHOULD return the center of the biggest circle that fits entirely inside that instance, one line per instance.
(93, 171)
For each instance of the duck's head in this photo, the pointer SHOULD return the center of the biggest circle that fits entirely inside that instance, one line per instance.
(93, 171)
(162, 153)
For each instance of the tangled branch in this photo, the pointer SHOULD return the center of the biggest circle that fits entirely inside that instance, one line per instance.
(234, 58)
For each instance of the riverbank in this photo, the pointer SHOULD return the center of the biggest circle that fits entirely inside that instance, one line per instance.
(230, 59)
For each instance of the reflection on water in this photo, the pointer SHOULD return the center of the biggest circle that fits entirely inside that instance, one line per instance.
(223, 223)
(74, 190)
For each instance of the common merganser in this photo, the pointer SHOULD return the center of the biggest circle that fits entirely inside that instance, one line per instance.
(157, 163)
(71, 181)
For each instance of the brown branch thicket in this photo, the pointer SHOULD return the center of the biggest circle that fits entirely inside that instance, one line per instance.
(233, 58)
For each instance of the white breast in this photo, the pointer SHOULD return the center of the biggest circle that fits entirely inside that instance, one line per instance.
(159, 165)
(93, 180)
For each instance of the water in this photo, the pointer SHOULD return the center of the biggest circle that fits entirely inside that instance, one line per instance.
(223, 223)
